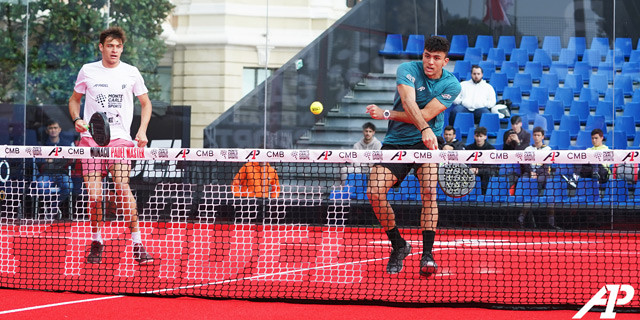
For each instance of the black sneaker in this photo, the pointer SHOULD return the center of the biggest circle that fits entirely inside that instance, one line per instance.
(396, 259)
(428, 265)
(95, 255)
(140, 254)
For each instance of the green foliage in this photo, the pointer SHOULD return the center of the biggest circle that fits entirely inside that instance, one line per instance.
(63, 35)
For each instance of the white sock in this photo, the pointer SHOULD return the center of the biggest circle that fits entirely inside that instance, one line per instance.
(97, 237)
(135, 237)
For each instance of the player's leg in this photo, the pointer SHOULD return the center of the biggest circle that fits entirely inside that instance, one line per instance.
(381, 179)
(427, 174)
(93, 186)
(126, 201)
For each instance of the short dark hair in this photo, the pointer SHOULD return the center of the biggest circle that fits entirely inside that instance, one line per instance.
(538, 129)
(475, 66)
(437, 44)
(51, 122)
(516, 119)
(598, 132)
(448, 128)
(369, 125)
(480, 130)
(114, 33)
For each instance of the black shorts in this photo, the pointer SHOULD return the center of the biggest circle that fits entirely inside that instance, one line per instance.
(401, 170)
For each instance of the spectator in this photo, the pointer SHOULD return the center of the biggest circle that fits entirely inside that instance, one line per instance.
(368, 142)
(599, 171)
(477, 96)
(485, 171)
(516, 138)
(256, 180)
(450, 141)
(54, 172)
(540, 172)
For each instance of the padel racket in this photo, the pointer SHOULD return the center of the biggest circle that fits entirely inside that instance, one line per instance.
(456, 179)
(99, 129)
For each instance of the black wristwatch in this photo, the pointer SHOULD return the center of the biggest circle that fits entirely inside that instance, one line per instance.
(386, 114)
(76, 119)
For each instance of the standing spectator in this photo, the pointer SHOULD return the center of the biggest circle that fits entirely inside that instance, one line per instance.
(485, 171)
(476, 96)
(450, 141)
(368, 142)
(517, 138)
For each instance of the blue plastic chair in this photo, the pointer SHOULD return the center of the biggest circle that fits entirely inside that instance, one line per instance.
(592, 58)
(463, 122)
(600, 45)
(583, 141)
(616, 139)
(529, 43)
(510, 68)
(616, 58)
(560, 140)
(625, 124)
(415, 45)
(624, 45)
(529, 108)
(540, 94)
(580, 109)
(459, 44)
(491, 121)
(564, 95)
(591, 96)
(578, 44)
(625, 83)
(615, 97)
(587, 190)
(555, 109)
(615, 192)
(526, 190)
(507, 43)
(463, 69)
(567, 57)
(632, 109)
(484, 42)
(574, 81)
(524, 82)
(552, 45)
(488, 69)
(599, 82)
(393, 45)
(547, 125)
(571, 124)
(595, 122)
(550, 81)
(559, 69)
(606, 69)
(514, 94)
(358, 185)
(607, 110)
(520, 57)
(499, 81)
(632, 70)
(583, 69)
(542, 57)
(533, 68)
(473, 55)
(496, 55)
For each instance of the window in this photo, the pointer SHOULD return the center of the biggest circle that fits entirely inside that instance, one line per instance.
(252, 77)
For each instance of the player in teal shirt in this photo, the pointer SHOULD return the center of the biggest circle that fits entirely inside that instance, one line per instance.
(424, 91)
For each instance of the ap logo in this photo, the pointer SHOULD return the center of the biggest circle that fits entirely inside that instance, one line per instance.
(598, 300)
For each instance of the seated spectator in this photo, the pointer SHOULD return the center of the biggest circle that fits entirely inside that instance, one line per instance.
(476, 96)
(540, 172)
(450, 141)
(256, 180)
(54, 172)
(485, 171)
(368, 142)
(598, 171)
(516, 138)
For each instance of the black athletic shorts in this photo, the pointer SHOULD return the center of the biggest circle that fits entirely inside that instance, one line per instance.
(401, 170)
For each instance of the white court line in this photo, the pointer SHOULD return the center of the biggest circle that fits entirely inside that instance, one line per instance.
(59, 304)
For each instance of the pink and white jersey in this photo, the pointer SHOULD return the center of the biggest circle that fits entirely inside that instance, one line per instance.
(111, 91)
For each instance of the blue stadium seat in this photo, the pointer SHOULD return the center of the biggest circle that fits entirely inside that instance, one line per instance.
(615, 192)
(632, 109)
(499, 81)
(600, 45)
(574, 81)
(578, 44)
(564, 95)
(520, 57)
(539, 94)
(599, 82)
(560, 140)
(583, 141)
(624, 45)
(358, 185)
(409, 189)
(488, 69)
(529, 43)
(459, 44)
(635, 56)
(529, 108)
(555, 109)
(510, 68)
(542, 57)
(473, 55)
(507, 43)
(415, 45)
(595, 122)
(587, 190)
(616, 58)
(624, 83)
(514, 94)
(591, 96)
(393, 45)
(485, 43)
(632, 70)
(615, 97)
(533, 68)
(491, 121)
(526, 190)
(571, 124)
(606, 69)
(636, 95)
(550, 81)
(580, 109)
(607, 110)
(545, 122)
(555, 191)
(524, 82)
(497, 190)
(462, 69)
(583, 69)
(496, 56)
(626, 124)
(470, 135)
(463, 122)
(567, 57)
(616, 139)
(552, 45)
(636, 141)
(559, 69)
(592, 58)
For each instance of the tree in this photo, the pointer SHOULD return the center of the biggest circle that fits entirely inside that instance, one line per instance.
(63, 35)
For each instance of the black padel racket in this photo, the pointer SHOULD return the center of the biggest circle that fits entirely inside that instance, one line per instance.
(456, 179)
(99, 129)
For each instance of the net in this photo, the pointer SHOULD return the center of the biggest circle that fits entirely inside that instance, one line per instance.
(302, 224)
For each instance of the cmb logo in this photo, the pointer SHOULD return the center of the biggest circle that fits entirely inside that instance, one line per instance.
(599, 300)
